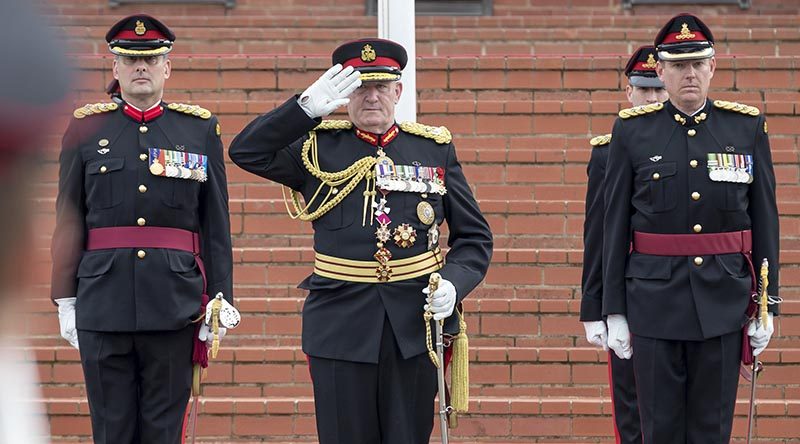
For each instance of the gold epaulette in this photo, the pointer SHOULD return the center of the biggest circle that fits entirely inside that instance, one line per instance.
(334, 125)
(600, 140)
(94, 108)
(627, 113)
(737, 107)
(439, 134)
(192, 110)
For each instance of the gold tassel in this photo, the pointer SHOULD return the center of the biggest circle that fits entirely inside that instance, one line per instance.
(459, 370)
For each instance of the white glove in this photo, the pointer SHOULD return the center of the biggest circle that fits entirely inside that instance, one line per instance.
(206, 335)
(760, 336)
(330, 91)
(597, 333)
(66, 320)
(443, 300)
(619, 337)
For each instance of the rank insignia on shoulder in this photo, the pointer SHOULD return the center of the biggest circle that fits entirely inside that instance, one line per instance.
(94, 108)
(737, 107)
(438, 134)
(600, 140)
(192, 110)
(178, 164)
(218, 130)
(331, 125)
(636, 111)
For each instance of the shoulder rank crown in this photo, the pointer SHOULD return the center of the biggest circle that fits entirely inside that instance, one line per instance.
(636, 111)
(439, 134)
(192, 110)
(94, 108)
(600, 140)
(737, 107)
(331, 125)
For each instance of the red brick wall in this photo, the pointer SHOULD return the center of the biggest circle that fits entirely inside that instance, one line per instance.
(521, 125)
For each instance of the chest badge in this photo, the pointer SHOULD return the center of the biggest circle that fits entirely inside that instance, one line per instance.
(405, 235)
(103, 146)
(655, 158)
(425, 213)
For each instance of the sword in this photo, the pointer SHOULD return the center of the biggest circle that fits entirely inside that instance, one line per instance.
(762, 317)
(438, 358)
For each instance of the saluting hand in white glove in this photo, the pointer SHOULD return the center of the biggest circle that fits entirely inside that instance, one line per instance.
(66, 320)
(619, 337)
(442, 302)
(330, 91)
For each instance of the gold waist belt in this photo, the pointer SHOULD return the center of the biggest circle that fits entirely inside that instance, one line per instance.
(373, 272)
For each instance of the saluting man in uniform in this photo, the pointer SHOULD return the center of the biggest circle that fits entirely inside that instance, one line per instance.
(644, 87)
(376, 192)
(142, 236)
(690, 205)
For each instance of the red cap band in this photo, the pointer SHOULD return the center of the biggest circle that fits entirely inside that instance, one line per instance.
(150, 34)
(356, 62)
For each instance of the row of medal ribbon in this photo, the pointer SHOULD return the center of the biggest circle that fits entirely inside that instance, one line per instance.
(727, 167)
(178, 164)
(408, 178)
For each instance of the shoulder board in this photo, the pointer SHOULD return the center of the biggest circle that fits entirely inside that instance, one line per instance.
(737, 107)
(331, 125)
(94, 108)
(600, 140)
(636, 111)
(439, 134)
(192, 110)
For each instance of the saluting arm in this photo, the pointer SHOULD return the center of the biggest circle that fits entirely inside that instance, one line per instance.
(470, 238)
(269, 146)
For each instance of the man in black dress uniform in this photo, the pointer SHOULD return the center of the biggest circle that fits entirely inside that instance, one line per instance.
(643, 88)
(142, 236)
(690, 205)
(376, 192)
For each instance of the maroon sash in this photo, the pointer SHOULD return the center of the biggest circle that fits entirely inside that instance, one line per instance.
(157, 237)
(701, 245)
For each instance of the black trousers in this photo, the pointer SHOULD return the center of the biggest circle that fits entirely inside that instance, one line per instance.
(627, 424)
(387, 403)
(138, 384)
(687, 389)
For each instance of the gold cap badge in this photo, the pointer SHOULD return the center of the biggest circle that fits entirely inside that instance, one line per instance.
(367, 53)
(140, 29)
(685, 33)
(651, 61)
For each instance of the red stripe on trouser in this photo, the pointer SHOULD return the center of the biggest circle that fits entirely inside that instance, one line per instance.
(613, 407)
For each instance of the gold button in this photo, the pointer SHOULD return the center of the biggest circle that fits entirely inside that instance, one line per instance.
(691, 132)
(693, 163)
(141, 254)
(698, 260)
(656, 176)
(103, 169)
(140, 221)
(142, 156)
(142, 129)
(697, 228)
(143, 189)
(695, 196)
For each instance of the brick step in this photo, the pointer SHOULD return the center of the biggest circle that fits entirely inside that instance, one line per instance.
(244, 371)
(490, 419)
